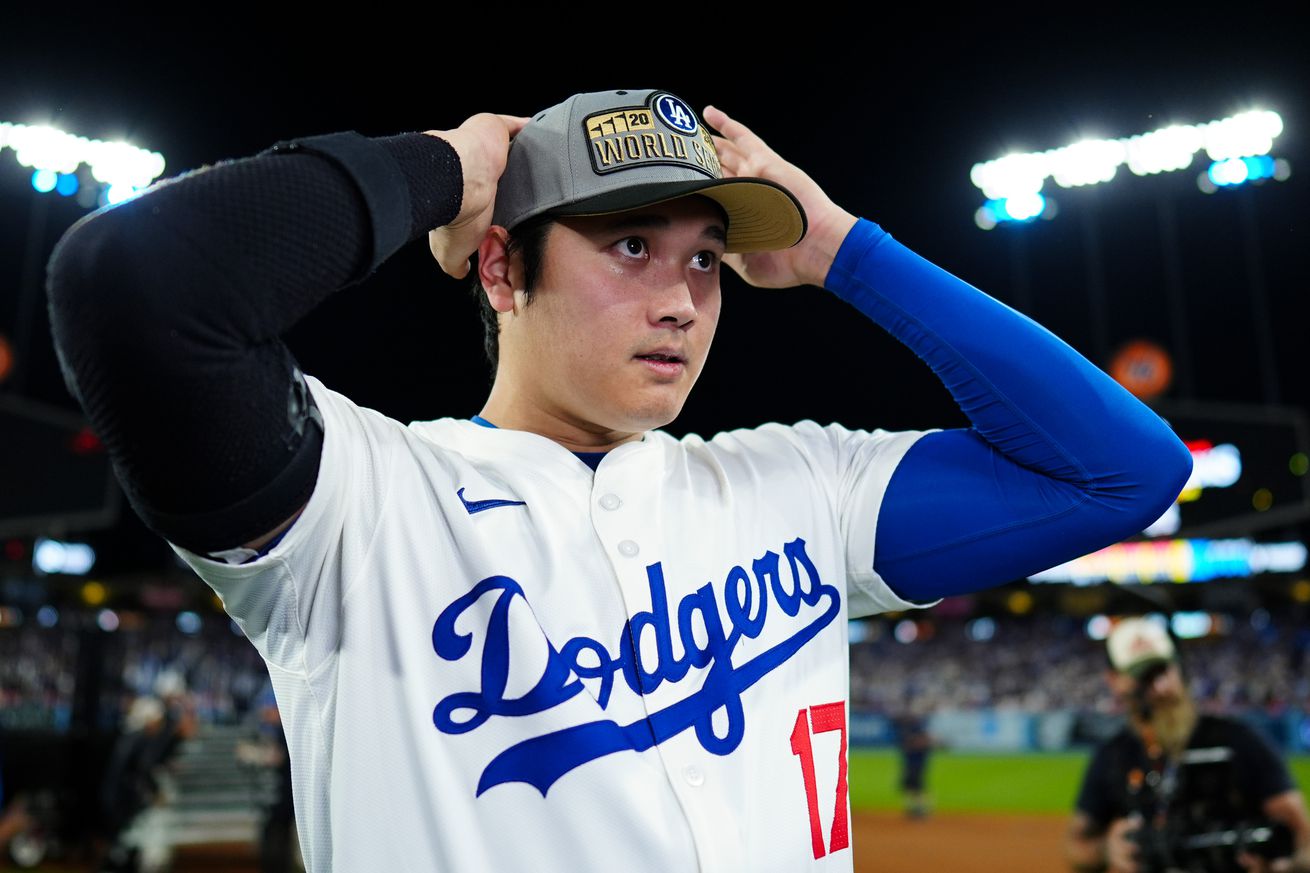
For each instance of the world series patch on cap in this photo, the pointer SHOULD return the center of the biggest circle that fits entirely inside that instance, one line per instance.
(610, 151)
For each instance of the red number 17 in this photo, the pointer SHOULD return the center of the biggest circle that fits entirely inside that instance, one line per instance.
(826, 717)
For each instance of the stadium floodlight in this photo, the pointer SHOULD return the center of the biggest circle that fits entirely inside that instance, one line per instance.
(113, 164)
(119, 193)
(53, 556)
(1093, 162)
(1251, 133)
(1087, 163)
(1020, 207)
(1191, 625)
(44, 148)
(1231, 172)
(44, 181)
(1164, 150)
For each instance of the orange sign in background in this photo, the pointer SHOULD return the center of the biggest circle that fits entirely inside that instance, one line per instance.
(1144, 368)
(6, 358)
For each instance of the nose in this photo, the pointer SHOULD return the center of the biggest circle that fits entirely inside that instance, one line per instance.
(1165, 685)
(674, 304)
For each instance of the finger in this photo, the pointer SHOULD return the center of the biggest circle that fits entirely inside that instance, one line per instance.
(442, 255)
(1247, 861)
(514, 123)
(737, 262)
(458, 272)
(727, 147)
(734, 130)
(730, 159)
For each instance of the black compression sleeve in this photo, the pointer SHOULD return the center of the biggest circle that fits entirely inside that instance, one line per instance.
(167, 312)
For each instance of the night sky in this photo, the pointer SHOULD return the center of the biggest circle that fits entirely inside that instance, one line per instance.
(888, 120)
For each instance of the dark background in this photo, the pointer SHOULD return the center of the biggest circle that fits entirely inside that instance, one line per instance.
(888, 118)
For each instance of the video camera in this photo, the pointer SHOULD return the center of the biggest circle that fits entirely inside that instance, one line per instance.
(1193, 817)
(1175, 847)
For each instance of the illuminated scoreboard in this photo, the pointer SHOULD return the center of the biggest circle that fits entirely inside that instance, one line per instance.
(1249, 473)
(1249, 470)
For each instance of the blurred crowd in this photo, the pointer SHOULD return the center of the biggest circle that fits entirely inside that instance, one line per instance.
(94, 712)
(221, 671)
(1036, 664)
(122, 701)
(37, 678)
(1046, 663)
(41, 668)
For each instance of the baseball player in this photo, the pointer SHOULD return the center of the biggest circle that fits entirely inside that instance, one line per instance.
(552, 636)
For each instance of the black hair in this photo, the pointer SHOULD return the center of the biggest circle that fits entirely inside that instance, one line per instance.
(529, 240)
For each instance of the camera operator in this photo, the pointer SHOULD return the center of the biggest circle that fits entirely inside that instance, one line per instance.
(1176, 790)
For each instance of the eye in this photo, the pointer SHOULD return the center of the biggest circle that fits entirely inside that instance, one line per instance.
(704, 261)
(633, 247)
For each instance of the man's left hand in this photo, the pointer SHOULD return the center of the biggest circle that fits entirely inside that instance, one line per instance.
(1259, 864)
(742, 153)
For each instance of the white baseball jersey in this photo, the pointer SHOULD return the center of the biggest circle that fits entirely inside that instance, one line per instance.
(488, 657)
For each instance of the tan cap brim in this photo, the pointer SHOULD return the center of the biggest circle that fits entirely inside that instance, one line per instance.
(762, 215)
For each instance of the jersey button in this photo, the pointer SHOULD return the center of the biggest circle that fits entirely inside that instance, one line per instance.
(611, 501)
(695, 778)
(628, 549)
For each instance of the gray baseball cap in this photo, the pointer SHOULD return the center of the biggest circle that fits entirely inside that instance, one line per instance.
(610, 151)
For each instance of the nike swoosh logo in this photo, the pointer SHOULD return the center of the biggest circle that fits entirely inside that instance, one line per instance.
(479, 505)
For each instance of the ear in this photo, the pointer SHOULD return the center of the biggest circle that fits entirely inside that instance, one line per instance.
(495, 268)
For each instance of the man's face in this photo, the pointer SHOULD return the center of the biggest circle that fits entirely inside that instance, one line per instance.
(1161, 689)
(621, 318)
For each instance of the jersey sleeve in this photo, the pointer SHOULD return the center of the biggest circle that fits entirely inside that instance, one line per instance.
(854, 468)
(288, 601)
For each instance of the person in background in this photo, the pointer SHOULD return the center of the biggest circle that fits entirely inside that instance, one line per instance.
(130, 783)
(1171, 773)
(915, 743)
(13, 813)
(181, 722)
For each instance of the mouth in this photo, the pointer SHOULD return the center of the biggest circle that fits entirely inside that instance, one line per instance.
(664, 364)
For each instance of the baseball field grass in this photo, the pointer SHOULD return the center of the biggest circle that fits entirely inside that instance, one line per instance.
(962, 782)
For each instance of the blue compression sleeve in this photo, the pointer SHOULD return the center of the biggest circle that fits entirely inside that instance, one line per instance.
(1060, 460)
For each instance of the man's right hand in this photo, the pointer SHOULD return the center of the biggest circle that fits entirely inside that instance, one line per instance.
(482, 143)
(1120, 847)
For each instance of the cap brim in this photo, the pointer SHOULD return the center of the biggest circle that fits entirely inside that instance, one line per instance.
(762, 215)
(1138, 669)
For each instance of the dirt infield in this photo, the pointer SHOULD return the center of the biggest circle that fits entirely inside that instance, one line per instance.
(884, 843)
(890, 843)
